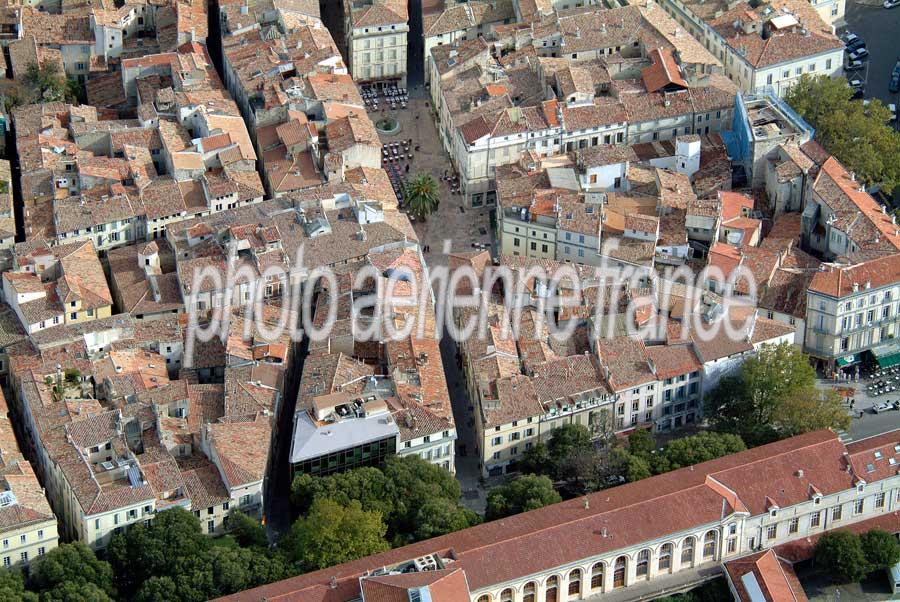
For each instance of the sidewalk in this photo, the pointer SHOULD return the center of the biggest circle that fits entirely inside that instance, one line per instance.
(661, 586)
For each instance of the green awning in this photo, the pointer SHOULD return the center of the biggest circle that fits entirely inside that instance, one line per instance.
(887, 354)
(847, 360)
(889, 360)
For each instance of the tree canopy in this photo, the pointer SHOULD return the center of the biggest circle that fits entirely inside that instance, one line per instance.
(398, 491)
(774, 396)
(882, 549)
(72, 571)
(522, 493)
(422, 196)
(859, 136)
(150, 562)
(331, 534)
(840, 555)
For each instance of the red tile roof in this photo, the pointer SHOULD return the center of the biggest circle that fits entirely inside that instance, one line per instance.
(774, 576)
(662, 72)
(839, 281)
(629, 515)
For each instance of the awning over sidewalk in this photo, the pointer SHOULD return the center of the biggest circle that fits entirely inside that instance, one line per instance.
(848, 360)
(887, 354)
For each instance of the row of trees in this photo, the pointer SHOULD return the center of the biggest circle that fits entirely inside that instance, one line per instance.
(774, 396)
(859, 136)
(571, 463)
(342, 517)
(169, 560)
(847, 557)
(367, 510)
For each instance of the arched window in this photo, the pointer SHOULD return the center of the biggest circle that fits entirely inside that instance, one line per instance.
(619, 572)
(551, 590)
(484, 598)
(687, 551)
(643, 564)
(506, 595)
(528, 592)
(665, 558)
(597, 576)
(575, 582)
(709, 545)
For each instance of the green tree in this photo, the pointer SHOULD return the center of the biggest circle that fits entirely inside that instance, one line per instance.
(415, 481)
(157, 589)
(566, 440)
(43, 83)
(641, 444)
(12, 587)
(859, 137)
(75, 591)
(247, 531)
(623, 465)
(331, 534)
(694, 449)
(422, 196)
(840, 555)
(440, 516)
(774, 396)
(521, 494)
(167, 547)
(67, 568)
(537, 460)
(881, 549)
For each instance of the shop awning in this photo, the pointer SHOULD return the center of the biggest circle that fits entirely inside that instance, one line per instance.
(848, 360)
(887, 354)
(888, 361)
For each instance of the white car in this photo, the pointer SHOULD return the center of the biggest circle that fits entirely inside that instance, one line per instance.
(893, 109)
(854, 66)
(883, 407)
(848, 38)
(859, 54)
(891, 3)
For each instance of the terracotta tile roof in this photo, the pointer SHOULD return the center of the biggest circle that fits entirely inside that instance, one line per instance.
(774, 577)
(838, 281)
(857, 213)
(447, 585)
(670, 361)
(554, 536)
(663, 71)
(343, 134)
(241, 457)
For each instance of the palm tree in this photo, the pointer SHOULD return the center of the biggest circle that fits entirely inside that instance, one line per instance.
(422, 196)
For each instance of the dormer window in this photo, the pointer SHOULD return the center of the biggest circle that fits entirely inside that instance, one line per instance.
(860, 487)
(773, 513)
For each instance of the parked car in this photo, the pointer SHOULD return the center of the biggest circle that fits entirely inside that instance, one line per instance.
(859, 54)
(855, 44)
(891, 3)
(883, 407)
(857, 84)
(854, 66)
(894, 86)
(893, 109)
(850, 39)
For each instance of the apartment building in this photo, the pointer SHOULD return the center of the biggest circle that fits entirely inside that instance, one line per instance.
(121, 181)
(376, 32)
(491, 109)
(362, 401)
(853, 314)
(765, 46)
(573, 210)
(452, 22)
(842, 220)
(524, 385)
(29, 525)
(718, 516)
(57, 285)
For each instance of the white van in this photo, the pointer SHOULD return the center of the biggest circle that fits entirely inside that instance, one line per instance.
(894, 575)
